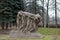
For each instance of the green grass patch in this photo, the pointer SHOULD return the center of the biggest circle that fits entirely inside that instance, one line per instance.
(52, 31)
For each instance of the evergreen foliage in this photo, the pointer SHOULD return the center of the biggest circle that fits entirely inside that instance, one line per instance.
(9, 9)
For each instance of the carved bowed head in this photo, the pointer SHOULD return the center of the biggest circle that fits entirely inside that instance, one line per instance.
(37, 19)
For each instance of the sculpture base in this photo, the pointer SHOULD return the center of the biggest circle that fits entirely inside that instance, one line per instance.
(18, 34)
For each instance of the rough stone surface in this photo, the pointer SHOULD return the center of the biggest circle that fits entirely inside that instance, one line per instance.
(27, 24)
(16, 34)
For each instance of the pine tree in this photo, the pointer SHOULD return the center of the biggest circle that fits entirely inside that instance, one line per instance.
(9, 10)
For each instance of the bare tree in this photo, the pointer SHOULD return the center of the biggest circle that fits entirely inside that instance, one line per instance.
(47, 14)
(56, 13)
(43, 14)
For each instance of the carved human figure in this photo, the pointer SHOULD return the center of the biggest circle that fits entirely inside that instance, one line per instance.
(27, 22)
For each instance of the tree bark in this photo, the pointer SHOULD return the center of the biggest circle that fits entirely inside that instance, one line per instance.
(2, 25)
(43, 14)
(47, 14)
(6, 26)
(56, 13)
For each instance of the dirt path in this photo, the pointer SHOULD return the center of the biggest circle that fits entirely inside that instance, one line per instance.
(4, 32)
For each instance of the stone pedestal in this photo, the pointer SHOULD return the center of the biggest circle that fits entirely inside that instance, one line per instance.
(16, 34)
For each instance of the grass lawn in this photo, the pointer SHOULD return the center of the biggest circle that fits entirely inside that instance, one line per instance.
(49, 34)
(51, 31)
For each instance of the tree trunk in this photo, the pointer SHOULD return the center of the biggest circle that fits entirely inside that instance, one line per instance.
(6, 26)
(2, 25)
(56, 13)
(47, 14)
(43, 14)
(10, 25)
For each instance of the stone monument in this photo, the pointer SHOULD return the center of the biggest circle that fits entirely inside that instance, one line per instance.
(27, 25)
